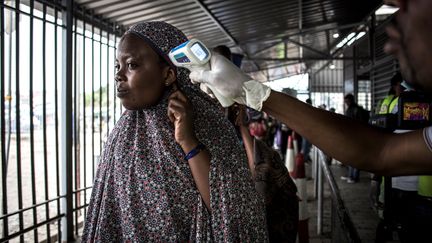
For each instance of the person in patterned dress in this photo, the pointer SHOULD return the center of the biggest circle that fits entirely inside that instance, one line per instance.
(146, 189)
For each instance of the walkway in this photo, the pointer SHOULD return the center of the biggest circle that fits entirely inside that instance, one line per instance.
(356, 198)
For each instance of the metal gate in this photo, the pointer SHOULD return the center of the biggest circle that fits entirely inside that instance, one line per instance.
(57, 106)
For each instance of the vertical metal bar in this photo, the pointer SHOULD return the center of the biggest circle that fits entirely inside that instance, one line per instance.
(100, 92)
(75, 119)
(84, 116)
(107, 82)
(32, 154)
(115, 84)
(121, 106)
(17, 118)
(45, 151)
(300, 3)
(67, 120)
(373, 58)
(354, 73)
(3, 127)
(320, 196)
(56, 123)
(315, 171)
(92, 102)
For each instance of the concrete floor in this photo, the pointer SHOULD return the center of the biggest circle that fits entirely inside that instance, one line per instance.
(356, 199)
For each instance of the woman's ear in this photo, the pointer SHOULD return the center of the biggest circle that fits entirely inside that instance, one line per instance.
(170, 76)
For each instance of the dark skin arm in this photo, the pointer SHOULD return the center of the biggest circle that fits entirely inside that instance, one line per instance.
(247, 138)
(351, 142)
(180, 113)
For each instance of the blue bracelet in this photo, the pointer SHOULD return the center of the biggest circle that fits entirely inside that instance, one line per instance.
(194, 151)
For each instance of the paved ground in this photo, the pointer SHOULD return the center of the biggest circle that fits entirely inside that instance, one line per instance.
(356, 199)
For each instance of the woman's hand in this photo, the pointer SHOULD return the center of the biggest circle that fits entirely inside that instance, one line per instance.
(180, 113)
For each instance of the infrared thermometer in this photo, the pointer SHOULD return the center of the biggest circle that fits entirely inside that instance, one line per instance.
(192, 53)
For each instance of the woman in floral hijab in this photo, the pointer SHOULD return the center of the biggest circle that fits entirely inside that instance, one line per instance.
(146, 190)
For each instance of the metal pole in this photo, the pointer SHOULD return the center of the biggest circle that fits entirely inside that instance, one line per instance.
(315, 171)
(18, 118)
(4, 159)
(66, 117)
(300, 28)
(56, 122)
(320, 197)
(32, 150)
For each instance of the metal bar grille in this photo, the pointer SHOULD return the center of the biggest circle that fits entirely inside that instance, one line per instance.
(17, 120)
(32, 152)
(3, 127)
(84, 114)
(41, 169)
(75, 119)
(56, 120)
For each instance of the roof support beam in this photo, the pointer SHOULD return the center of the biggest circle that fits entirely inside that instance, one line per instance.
(309, 48)
(216, 21)
(300, 27)
(311, 30)
(295, 43)
(284, 65)
(329, 58)
(267, 47)
(222, 28)
(324, 15)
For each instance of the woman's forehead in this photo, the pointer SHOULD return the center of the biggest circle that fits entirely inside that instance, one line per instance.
(133, 46)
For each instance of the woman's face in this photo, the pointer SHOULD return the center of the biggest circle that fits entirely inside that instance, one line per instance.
(141, 77)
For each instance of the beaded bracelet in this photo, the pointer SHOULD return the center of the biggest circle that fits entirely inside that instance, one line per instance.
(194, 151)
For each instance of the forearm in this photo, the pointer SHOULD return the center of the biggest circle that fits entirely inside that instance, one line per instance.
(248, 144)
(344, 139)
(200, 168)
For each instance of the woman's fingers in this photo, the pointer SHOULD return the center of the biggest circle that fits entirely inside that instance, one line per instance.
(179, 96)
(177, 106)
(180, 113)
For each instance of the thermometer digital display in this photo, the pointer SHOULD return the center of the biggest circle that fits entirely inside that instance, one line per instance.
(190, 53)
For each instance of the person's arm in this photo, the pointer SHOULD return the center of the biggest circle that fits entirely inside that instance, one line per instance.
(200, 167)
(348, 141)
(246, 137)
(352, 142)
(248, 144)
(180, 113)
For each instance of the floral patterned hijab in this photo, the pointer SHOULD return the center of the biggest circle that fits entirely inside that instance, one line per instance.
(144, 190)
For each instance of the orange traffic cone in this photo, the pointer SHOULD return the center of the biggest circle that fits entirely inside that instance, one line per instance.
(295, 143)
(289, 156)
(299, 176)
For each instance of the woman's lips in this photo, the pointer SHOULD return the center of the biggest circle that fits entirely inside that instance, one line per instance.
(122, 93)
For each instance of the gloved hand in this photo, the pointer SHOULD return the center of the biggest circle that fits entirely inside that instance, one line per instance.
(225, 102)
(228, 83)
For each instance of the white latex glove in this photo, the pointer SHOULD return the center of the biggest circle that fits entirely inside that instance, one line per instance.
(225, 102)
(228, 83)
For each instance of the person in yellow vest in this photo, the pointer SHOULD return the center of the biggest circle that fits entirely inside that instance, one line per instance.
(387, 105)
(404, 188)
(411, 196)
(422, 184)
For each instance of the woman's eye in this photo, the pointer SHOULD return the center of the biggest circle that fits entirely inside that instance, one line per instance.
(117, 67)
(132, 65)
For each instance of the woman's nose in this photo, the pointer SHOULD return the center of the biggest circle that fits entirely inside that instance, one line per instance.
(118, 77)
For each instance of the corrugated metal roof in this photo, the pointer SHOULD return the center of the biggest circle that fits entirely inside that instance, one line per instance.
(254, 28)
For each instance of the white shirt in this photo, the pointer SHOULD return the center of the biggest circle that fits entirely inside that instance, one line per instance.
(405, 183)
(427, 135)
